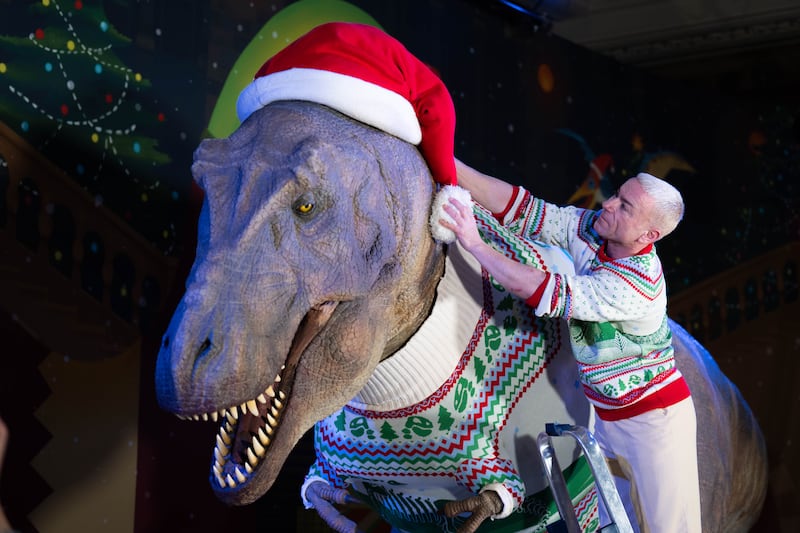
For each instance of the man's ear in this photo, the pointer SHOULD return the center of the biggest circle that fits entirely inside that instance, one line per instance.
(650, 236)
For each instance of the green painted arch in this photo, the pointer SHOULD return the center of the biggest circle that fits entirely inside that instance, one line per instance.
(280, 30)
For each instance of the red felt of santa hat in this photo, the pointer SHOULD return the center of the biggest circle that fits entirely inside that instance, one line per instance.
(362, 72)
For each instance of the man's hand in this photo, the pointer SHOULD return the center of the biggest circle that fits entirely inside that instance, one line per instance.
(483, 506)
(519, 279)
(463, 224)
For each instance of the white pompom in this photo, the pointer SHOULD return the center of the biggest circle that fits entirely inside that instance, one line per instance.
(440, 233)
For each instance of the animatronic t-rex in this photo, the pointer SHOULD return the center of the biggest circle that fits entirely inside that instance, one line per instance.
(318, 298)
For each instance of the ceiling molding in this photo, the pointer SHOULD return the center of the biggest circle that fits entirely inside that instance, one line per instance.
(657, 32)
(709, 44)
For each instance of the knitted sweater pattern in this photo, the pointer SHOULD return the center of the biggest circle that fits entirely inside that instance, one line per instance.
(407, 462)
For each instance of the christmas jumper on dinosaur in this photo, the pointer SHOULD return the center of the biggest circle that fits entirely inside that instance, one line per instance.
(437, 421)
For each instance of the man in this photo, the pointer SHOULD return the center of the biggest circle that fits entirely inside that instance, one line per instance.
(615, 304)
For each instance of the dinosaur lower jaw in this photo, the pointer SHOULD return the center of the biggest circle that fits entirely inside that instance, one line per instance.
(244, 438)
(247, 430)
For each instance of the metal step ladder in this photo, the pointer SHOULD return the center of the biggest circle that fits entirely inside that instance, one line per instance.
(602, 477)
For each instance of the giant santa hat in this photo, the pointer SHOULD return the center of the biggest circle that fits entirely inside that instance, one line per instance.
(365, 74)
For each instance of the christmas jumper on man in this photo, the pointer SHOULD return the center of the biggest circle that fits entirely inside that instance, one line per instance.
(616, 309)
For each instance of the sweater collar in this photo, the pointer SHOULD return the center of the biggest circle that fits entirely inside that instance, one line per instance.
(420, 367)
(604, 257)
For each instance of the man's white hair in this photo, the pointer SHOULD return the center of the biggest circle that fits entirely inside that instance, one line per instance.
(667, 203)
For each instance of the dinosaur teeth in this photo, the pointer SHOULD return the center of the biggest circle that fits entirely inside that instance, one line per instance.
(233, 462)
(263, 436)
(258, 448)
(221, 446)
(223, 434)
(219, 456)
(225, 470)
(252, 460)
(249, 406)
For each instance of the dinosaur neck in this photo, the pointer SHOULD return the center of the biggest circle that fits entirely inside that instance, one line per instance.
(421, 366)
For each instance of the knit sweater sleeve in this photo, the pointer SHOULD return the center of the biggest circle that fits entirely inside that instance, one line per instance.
(535, 219)
(319, 471)
(628, 292)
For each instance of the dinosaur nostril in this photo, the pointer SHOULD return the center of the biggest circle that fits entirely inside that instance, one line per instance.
(165, 344)
(205, 346)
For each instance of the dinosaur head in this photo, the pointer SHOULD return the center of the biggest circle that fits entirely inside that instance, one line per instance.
(314, 262)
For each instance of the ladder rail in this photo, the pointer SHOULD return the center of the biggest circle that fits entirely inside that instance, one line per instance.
(602, 475)
(558, 485)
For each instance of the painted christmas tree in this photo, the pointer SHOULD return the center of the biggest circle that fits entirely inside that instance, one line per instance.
(66, 90)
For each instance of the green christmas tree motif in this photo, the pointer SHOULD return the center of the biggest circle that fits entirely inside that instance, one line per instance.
(445, 419)
(509, 325)
(341, 421)
(480, 368)
(387, 432)
(506, 304)
(66, 91)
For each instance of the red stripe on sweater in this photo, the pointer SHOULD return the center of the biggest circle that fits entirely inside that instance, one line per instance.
(670, 395)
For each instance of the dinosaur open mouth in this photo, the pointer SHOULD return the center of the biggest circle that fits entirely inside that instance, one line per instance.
(247, 430)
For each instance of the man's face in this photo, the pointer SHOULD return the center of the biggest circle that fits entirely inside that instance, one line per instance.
(625, 216)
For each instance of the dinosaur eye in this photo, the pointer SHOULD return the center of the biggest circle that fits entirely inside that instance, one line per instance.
(304, 205)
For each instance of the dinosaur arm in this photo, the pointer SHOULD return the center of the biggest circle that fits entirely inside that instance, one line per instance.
(487, 504)
(318, 472)
(304, 490)
(324, 499)
(498, 486)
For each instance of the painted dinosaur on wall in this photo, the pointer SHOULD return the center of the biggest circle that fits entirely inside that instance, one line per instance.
(319, 299)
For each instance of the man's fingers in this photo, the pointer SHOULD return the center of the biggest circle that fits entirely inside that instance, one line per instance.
(451, 210)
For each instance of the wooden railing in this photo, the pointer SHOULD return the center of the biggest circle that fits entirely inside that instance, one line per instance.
(729, 300)
(48, 219)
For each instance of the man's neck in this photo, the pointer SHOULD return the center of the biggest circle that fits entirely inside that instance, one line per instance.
(617, 250)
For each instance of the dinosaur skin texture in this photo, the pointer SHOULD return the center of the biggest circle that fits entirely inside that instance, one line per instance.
(318, 299)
